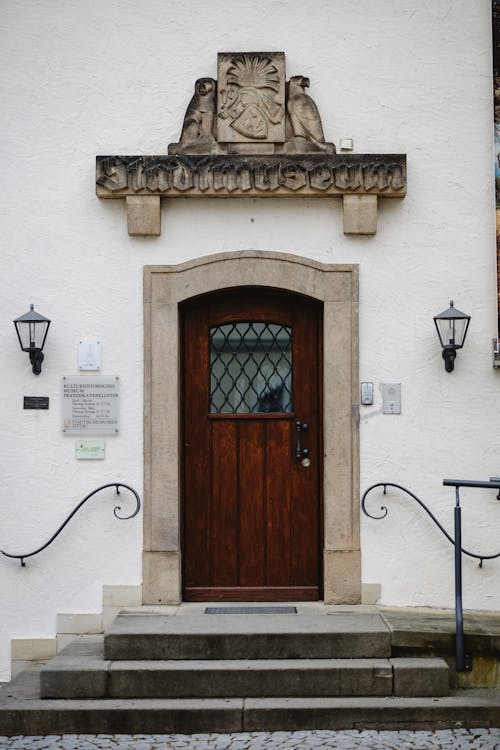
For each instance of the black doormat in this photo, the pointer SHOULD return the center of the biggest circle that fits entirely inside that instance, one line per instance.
(251, 611)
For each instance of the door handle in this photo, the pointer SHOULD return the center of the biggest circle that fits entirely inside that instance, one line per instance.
(300, 452)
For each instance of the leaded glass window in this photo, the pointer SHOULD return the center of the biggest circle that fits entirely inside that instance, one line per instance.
(250, 368)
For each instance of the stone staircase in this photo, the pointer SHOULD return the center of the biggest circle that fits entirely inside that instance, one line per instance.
(152, 673)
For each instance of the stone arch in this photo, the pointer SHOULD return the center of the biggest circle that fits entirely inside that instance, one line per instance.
(165, 287)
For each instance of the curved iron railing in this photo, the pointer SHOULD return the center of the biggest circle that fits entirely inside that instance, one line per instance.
(463, 660)
(384, 510)
(117, 508)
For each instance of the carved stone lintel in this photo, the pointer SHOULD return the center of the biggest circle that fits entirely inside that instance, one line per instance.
(309, 175)
(357, 178)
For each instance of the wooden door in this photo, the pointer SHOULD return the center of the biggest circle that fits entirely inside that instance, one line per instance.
(251, 505)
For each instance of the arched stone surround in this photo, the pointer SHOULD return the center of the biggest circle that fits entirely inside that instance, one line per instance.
(165, 287)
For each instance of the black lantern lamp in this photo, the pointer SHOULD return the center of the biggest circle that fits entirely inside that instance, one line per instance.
(451, 326)
(31, 329)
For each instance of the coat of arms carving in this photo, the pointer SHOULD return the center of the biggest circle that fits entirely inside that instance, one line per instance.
(251, 97)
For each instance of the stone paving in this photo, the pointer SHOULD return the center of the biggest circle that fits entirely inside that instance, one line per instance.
(446, 739)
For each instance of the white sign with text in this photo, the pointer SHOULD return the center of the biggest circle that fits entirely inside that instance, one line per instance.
(91, 406)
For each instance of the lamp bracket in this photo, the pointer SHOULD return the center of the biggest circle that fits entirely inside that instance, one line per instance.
(449, 354)
(36, 359)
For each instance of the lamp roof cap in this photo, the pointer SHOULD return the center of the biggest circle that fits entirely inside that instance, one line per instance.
(31, 317)
(452, 313)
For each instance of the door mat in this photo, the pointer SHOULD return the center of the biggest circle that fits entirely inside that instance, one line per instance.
(251, 611)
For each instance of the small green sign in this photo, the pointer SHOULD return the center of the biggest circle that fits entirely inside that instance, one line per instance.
(89, 449)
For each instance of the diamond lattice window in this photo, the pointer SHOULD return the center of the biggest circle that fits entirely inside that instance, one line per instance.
(250, 368)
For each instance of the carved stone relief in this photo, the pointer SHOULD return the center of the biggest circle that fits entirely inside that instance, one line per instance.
(251, 133)
(251, 97)
(251, 109)
(304, 130)
(198, 126)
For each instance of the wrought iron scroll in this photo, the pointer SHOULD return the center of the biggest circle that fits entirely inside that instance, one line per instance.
(384, 510)
(117, 508)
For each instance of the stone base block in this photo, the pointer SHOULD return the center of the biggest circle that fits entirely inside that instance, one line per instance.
(342, 577)
(161, 574)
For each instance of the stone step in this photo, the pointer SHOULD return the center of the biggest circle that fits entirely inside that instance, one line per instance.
(80, 671)
(22, 712)
(336, 636)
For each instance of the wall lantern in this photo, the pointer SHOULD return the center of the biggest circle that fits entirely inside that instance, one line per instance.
(452, 328)
(31, 329)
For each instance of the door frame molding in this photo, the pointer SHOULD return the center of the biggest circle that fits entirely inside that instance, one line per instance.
(336, 285)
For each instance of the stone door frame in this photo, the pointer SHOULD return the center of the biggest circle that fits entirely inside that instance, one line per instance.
(336, 285)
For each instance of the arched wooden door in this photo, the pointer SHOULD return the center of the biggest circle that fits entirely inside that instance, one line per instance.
(251, 401)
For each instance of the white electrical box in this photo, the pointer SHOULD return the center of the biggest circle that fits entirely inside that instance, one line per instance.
(391, 398)
(367, 394)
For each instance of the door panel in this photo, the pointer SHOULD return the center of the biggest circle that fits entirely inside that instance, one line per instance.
(251, 510)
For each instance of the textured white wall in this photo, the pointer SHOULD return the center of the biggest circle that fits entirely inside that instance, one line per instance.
(85, 78)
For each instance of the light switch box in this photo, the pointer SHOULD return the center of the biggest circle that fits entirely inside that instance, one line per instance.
(391, 398)
(367, 394)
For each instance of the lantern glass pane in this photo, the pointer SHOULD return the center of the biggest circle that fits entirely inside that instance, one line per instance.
(460, 326)
(32, 334)
(452, 330)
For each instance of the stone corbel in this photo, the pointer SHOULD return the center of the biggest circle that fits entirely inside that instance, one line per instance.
(143, 215)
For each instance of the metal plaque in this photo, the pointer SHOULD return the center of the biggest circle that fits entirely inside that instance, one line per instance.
(91, 406)
(36, 402)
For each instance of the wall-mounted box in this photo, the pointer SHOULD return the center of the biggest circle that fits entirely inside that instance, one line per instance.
(391, 398)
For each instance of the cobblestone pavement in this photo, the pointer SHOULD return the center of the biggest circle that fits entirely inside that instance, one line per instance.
(456, 739)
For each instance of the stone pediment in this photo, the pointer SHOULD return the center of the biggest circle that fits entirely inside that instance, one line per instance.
(251, 133)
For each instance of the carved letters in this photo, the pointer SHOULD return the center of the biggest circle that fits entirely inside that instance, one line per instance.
(251, 175)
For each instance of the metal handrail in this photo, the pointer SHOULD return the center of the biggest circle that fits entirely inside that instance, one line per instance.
(117, 485)
(463, 660)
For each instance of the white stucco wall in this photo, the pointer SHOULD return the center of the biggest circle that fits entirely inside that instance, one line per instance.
(81, 78)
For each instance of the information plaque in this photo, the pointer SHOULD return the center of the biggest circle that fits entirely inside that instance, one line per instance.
(91, 406)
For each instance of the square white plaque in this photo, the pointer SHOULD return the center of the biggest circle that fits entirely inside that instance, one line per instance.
(89, 355)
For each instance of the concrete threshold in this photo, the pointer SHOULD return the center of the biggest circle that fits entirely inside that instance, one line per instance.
(314, 636)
